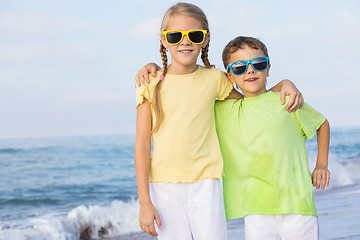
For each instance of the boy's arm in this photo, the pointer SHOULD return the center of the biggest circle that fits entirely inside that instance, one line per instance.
(143, 75)
(148, 212)
(321, 174)
(286, 87)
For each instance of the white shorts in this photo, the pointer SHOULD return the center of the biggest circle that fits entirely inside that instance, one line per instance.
(190, 210)
(284, 227)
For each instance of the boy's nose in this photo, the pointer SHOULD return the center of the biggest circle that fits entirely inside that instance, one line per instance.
(250, 68)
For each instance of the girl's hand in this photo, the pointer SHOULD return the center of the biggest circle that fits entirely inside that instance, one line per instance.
(321, 177)
(296, 98)
(147, 216)
(143, 75)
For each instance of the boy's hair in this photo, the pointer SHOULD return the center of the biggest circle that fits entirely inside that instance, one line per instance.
(239, 43)
(190, 10)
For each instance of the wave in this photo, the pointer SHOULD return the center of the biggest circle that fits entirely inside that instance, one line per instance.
(92, 222)
(342, 173)
(11, 150)
(28, 201)
(123, 152)
(25, 150)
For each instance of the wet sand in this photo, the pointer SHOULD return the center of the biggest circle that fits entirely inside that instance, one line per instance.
(338, 210)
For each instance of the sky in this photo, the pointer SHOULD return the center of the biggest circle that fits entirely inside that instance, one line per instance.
(67, 68)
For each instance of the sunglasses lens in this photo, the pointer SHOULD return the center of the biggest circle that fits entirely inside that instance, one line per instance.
(239, 68)
(173, 37)
(260, 64)
(196, 36)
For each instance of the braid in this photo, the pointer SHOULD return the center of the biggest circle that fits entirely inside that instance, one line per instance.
(164, 59)
(204, 56)
(156, 97)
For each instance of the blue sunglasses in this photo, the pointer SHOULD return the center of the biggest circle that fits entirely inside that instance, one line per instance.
(240, 67)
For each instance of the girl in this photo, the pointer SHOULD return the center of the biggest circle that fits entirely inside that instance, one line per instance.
(180, 188)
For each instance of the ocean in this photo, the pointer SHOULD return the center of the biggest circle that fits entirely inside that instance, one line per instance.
(67, 188)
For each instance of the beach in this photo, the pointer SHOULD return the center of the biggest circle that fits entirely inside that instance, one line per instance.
(338, 212)
(71, 188)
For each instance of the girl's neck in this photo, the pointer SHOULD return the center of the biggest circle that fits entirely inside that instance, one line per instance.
(176, 69)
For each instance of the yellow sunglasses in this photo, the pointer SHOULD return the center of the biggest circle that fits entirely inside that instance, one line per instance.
(195, 36)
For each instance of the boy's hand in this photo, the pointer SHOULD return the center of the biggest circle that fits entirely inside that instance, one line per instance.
(321, 177)
(147, 216)
(143, 75)
(296, 98)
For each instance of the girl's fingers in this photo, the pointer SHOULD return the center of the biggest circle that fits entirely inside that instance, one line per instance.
(152, 230)
(282, 97)
(295, 104)
(153, 71)
(291, 102)
(147, 229)
(298, 102)
(158, 221)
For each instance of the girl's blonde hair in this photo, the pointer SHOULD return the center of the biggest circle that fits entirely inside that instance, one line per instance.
(190, 10)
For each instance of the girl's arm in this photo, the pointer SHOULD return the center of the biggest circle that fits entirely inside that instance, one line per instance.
(235, 95)
(143, 75)
(286, 87)
(148, 212)
(321, 174)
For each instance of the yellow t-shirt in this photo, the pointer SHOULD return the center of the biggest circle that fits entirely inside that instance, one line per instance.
(186, 148)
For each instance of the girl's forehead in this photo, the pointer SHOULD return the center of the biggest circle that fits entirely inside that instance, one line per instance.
(183, 22)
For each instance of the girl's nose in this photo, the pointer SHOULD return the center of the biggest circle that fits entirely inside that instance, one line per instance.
(185, 41)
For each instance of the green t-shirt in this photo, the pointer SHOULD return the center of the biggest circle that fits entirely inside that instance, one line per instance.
(265, 161)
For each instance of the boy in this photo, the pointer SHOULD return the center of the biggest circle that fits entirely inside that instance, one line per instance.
(267, 178)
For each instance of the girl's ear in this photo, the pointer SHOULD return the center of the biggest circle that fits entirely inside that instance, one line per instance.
(206, 41)
(163, 41)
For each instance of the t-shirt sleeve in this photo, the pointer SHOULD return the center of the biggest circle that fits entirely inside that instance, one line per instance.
(223, 110)
(147, 91)
(224, 87)
(309, 120)
(142, 93)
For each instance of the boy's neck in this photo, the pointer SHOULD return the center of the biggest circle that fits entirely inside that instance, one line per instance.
(255, 94)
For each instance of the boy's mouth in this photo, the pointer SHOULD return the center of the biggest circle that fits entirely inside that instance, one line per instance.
(251, 79)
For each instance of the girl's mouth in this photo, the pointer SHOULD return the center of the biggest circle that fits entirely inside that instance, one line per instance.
(186, 51)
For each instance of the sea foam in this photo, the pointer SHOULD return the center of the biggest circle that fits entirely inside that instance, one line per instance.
(341, 174)
(82, 222)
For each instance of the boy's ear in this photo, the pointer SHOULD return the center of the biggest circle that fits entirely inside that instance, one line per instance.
(230, 77)
(268, 71)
